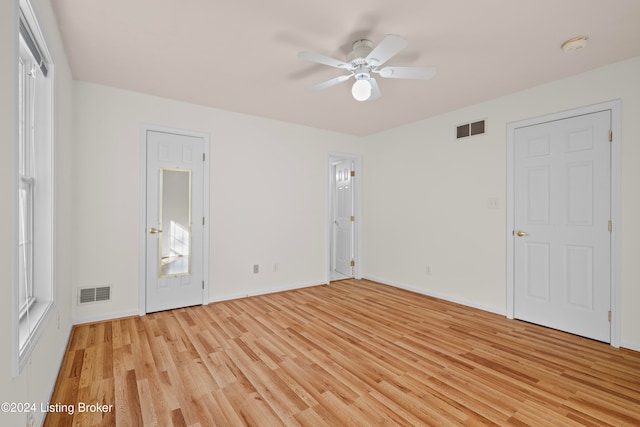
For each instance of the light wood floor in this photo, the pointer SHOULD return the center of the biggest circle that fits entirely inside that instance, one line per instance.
(351, 353)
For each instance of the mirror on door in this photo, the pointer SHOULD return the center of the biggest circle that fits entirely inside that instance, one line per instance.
(175, 221)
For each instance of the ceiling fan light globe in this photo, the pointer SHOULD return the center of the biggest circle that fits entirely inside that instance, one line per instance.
(361, 90)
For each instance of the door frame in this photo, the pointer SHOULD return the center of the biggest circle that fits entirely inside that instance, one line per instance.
(615, 108)
(333, 157)
(142, 235)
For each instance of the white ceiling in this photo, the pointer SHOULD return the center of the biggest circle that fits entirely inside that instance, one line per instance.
(242, 55)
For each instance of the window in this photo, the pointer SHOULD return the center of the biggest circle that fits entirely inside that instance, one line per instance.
(35, 185)
(178, 240)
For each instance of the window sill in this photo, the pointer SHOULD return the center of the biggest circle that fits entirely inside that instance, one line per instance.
(30, 329)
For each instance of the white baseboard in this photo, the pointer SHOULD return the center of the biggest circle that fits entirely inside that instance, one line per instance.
(136, 312)
(630, 346)
(494, 310)
(105, 316)
(40, 416)
(264, 292)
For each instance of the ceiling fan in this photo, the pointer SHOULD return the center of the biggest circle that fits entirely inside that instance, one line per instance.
(365, 60)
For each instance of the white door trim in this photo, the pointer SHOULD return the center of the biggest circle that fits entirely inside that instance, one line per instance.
(616, 159)
(142, 234)
(357, 192)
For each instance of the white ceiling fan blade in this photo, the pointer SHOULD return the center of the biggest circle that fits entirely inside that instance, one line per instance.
(388, 47)
(375, 90)
(328, 83)
(408, 72)
(321, 59)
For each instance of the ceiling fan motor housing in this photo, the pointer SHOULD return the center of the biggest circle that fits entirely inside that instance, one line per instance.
(362, 73)
(361, 49)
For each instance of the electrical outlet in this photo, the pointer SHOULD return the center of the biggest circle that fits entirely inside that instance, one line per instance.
(493, 203)
(428, 270)
(275, 267)
(256, 269)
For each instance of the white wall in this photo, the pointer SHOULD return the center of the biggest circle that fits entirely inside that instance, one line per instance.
(425, 195)
(268, 194)
(36, 381)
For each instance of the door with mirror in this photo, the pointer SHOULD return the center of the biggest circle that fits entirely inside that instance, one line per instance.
(174, 229)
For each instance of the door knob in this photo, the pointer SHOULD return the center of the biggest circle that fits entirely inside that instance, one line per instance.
(521, 233)
(153, 230)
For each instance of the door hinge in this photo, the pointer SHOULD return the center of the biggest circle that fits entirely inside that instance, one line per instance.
(353, 263)
(353, 218)
(203, 157)
(609, 316)
(203, 284)
(202, 220)
(610, 136)
(353, 173)
(610, 226)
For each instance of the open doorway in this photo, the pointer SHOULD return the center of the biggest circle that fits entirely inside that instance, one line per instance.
(343, 227)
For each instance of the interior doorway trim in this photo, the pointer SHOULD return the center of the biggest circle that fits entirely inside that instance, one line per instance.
(616, 159)
(333, 157)
(142, 233)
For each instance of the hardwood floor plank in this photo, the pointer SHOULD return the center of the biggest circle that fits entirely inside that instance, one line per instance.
(352, 353)
(75, 367)
(386, 401)
(413, 404)
(134, 414)
(177, 420)
(151, 415)
(88, 366)
(482, 402)
(224, 411)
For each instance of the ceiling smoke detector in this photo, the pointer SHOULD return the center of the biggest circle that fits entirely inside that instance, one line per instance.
(574, 44)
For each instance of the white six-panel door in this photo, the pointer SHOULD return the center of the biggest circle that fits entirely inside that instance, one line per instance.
(562, 209)
(176, 282)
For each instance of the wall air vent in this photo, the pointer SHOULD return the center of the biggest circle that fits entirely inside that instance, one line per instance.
(470, 129)
(97, 294)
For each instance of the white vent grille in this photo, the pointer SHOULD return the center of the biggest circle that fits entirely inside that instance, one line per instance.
(97, 294)
(470, 129)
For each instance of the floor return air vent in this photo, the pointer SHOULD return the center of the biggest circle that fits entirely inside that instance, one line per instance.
(97, 294)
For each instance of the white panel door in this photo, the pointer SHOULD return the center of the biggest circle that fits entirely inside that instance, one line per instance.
(174, 229)
(344, 208)
(562, 260)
